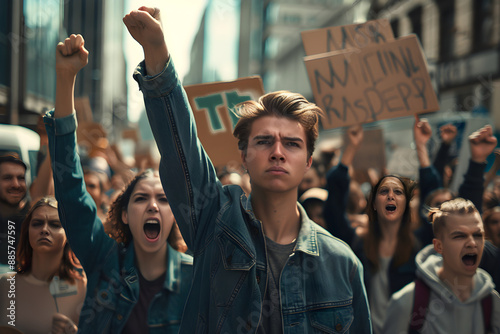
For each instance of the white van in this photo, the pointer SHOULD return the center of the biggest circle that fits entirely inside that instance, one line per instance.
(24, 142)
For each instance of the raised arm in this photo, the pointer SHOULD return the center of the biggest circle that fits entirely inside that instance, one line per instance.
(422, 132)
(77, 209)
(43, 185)
(187, 174)
(490, 175)
(354, 138)
(429, 179)
(145, 27)
(338, 180)
(482, 143)
(447, 133)
(71, 57)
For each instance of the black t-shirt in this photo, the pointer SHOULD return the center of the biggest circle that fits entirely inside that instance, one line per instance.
(137, 322)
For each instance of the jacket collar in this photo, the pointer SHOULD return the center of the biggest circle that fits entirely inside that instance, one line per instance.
(307, 240)
(173, 274)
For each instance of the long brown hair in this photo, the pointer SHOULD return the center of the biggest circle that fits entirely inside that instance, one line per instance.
(405, 241)
(118, 230)
(70, 268)
(114, 225)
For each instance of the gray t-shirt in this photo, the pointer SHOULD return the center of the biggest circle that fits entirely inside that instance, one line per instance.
(277, 255)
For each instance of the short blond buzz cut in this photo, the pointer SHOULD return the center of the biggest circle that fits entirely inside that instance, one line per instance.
(455, 206)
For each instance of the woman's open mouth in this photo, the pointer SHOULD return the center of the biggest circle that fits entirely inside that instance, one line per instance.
(152, 230)
(390, 207)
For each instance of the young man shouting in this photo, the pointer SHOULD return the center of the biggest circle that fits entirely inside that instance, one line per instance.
(460, 296)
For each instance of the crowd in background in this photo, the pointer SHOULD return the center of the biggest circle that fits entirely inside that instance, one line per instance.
(103, 185)
(328, 193)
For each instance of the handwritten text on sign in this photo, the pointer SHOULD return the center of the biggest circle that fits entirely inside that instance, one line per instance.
(352, 36)
(371, 84)
(212, 105)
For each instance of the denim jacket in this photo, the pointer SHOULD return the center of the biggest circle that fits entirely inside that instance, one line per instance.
(113, 281)
(321, 285)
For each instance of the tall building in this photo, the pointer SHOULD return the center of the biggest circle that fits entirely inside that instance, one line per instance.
(30, 31)
(283, 53)
(103, 79)
(461, 40)
(215, 50)
(266, 37)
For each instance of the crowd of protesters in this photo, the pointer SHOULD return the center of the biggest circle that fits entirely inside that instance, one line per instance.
(286, 242)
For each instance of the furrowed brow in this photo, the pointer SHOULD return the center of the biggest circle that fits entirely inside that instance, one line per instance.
(298, 139)
(261, 137)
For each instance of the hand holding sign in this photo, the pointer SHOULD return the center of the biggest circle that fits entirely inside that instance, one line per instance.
(60, 288)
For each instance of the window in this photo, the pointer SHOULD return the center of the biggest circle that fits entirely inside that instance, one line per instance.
(395, 27)
(483, 24)
(446, 29)
(42, 21)
(415, 16)
(5, 42)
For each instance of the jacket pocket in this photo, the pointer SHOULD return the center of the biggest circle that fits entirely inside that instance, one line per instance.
(234, 255)
(335, 320)
(230, 270)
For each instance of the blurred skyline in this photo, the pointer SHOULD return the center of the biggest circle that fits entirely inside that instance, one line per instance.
(181, 20)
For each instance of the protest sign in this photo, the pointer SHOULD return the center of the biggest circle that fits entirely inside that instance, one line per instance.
(212, 105)
(378, 82)
(352, 36)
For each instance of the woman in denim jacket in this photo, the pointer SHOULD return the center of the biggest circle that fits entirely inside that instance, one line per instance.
(139, 284)
(261, 265)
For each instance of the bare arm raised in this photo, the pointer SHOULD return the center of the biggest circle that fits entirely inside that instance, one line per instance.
(422, 132)
(482, 143)
(71, 57)
(145, 27)
(354, 137)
